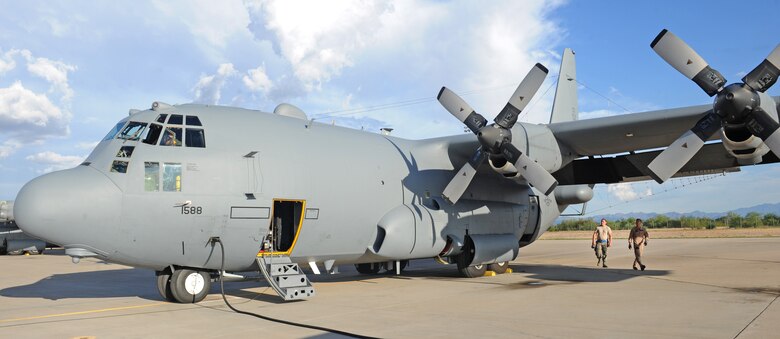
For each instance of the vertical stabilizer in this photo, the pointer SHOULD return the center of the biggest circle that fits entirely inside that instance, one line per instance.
(565, 102)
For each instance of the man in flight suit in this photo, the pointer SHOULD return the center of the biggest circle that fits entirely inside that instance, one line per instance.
(638, 237)
(601, 240)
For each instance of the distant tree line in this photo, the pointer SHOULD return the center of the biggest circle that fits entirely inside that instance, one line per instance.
(731, 220)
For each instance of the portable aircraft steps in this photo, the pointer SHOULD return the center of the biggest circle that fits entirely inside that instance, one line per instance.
(285, 277)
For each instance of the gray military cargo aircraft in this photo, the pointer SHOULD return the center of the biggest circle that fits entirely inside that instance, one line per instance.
(277, 190)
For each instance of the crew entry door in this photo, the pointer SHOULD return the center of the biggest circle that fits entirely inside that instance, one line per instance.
(286, 224)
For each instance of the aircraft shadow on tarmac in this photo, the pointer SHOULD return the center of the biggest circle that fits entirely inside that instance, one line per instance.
(575, 274)
(136, 282)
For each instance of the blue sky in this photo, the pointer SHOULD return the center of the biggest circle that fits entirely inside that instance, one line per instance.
(70, 70)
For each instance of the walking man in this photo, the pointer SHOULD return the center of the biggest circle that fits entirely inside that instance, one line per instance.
(601, 240)
(638, 237)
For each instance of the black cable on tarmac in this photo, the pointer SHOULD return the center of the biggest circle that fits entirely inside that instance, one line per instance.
(312, 327)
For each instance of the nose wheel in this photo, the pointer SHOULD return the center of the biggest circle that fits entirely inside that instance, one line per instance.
(185, 285)
(164, 285)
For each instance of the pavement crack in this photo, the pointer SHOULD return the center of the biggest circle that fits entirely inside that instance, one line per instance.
(759, 315)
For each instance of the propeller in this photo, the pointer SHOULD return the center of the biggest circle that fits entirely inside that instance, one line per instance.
(735, 104)
(496, 139)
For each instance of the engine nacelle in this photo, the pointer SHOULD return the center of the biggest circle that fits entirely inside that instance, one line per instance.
(747, 148)
(490, 248)
(538, 142)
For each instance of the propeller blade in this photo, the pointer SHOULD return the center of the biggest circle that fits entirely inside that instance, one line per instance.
(461, 181)
(674, 157)
(761, 124)
(685, 60)
(523, 94)
(529, 169)
(461, 110)
(765, 74)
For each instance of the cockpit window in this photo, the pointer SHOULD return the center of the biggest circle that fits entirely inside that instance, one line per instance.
(171, 136)
(193, 121)
(112, 133)
(132, 131)
(176, 119)
(125, 152)
(152, 134)
(195, 137)
(151, 176)
(161, 118)
(171, 177)
(119, 166)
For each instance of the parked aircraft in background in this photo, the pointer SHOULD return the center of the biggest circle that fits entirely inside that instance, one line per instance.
(277, 190)
(12, 239)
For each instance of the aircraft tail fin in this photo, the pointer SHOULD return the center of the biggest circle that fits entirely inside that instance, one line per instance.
(565, 106)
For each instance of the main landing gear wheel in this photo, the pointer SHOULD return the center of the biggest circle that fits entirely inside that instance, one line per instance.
(369, 268)
(473, 271)
(499, 267)
(164, 286)
(189, 286)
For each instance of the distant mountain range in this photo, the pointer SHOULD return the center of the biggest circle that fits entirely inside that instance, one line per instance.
(763, 209)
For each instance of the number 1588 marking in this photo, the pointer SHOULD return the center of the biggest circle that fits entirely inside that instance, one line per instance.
(191, 210)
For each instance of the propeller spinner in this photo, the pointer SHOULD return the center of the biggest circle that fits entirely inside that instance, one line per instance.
(496, 139)
(735, 104)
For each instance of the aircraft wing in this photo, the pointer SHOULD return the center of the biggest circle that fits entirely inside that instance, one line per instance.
(605, 141)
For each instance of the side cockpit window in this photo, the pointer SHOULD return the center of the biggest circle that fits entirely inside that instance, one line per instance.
(171, 177)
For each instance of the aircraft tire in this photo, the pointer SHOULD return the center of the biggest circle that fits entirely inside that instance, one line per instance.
(164, 286)
(190, 286)
(473, 271)
(499, 267)
(369, 268)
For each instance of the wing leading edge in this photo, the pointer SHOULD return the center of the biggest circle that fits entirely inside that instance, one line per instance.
(641, 135)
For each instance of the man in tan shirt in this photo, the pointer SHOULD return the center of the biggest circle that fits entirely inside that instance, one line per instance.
(638, 237)
(601, 240)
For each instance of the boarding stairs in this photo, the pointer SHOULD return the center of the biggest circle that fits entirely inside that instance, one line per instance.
(285, 277)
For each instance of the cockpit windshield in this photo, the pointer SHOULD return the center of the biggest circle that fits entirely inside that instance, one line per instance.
(132, 131)
(113, 132)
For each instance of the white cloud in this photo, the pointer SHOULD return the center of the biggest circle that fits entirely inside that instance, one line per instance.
(54, 72)
(256, 80)
(8, 148)
(208, 90)
(212, 22)
(55, 161)
(7, 62)
(30, 117)
(320, 39)
(626, 192)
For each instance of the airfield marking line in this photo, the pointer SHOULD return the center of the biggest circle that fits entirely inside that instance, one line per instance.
(81, 312)
(113, 309)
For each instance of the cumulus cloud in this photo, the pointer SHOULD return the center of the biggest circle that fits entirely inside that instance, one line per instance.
(321, 39)
(55, 161)
(54, 72)
(30, 117)
(626, 191)
(208, 90)
(256, 80)
(213, 22)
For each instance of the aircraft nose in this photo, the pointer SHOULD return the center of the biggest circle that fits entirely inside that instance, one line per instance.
(70, 207)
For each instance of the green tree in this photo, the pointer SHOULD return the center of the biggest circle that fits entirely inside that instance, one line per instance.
(753, 219)
(770, 219)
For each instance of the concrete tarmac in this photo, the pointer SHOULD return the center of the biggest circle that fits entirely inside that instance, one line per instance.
(692, 288)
